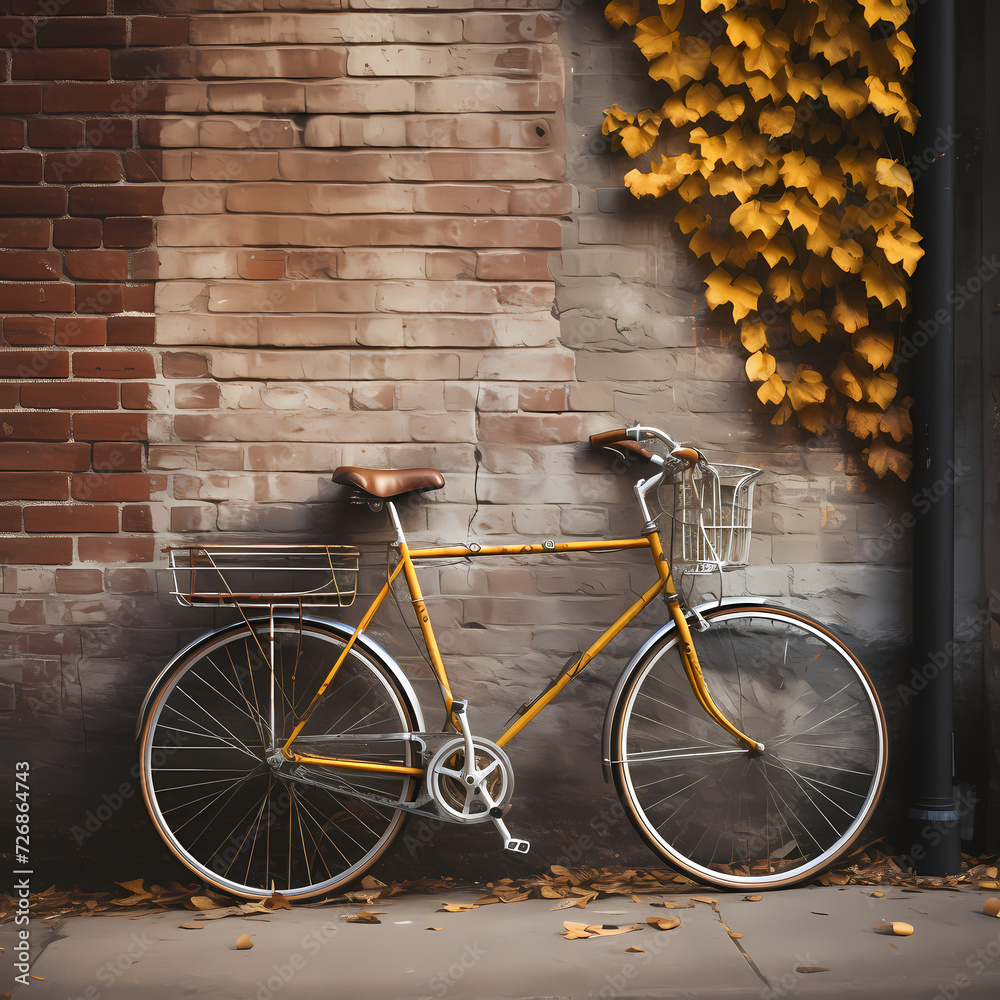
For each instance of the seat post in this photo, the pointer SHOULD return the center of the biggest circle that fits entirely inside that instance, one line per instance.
(391, 507)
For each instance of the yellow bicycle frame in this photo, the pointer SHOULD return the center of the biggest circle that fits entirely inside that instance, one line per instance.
(650, 540)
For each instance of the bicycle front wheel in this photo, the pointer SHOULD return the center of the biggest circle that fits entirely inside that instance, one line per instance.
(209, 775)
(742, 819)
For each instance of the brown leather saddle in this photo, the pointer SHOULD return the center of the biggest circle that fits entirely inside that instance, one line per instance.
(388, 483)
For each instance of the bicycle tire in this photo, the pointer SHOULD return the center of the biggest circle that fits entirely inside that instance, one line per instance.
(739, 819)
(217, 803)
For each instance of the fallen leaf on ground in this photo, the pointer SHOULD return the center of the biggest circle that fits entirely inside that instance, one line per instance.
(459, 907)
(433, 928)
(364, 917)
(704, 899)
(811, 968)
(576, 930)
(632, 947)
(753, 899)
(664, 923)
(991, 907)
(199, 903)
(190, 926)
(243, 942)
(876, 894)
(897, 927)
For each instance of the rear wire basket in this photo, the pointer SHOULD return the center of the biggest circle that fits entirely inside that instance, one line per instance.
(712, 511)
(265, 575)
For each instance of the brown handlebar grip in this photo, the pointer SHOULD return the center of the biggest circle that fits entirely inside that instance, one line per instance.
(687, 454)
(606, 438)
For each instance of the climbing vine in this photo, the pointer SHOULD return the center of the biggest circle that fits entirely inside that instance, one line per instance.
(782, 135)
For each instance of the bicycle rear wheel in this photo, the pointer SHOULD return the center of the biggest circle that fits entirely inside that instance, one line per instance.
(736, 818)
(224, 810)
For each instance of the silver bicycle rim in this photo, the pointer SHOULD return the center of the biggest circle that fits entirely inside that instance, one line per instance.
(722, 814)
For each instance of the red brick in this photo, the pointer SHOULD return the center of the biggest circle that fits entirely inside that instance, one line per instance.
(60, 97)
(111, 486)
(99, 298)
(131, 331)
(113, 364)
(159, 30)
(20, 168)
(34, 486)
(76, 518)
(36, 551)
(45, 296)
(135, 64)
(184, 364)
(136, 517)
(26, 426)
(44, 457)
(76, 232)
(33, 201)
(70, 396)
(79, 581)
(122, 456)
(128, 232)
(144, 265)
(109, 427)
(109, 550)
(10, 518)
(83, 31)
(64, 64)
(9, 395)
(55, 133)
(20, 98)
(11, 133)
(129, 581)
(97, 265)
(144, 166)
(81, 331)
(28, 265)
(136, 396)
(24, 232)
(113, 133)
(117, 200)
(65, 8)
(77, 166)
(28, 330)
(140, 298)
(34, 364)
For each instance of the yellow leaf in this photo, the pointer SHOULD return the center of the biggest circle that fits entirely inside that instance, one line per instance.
(783, 412)
(868, 130)
(703, 99)
(900, 247)
(785, 285)
(729, 63)
(820, 418)
(858, 164)
(692, 217)
(991, 906)
(806, 387)
(805, 80)
(243, 942)
(768, 56)
(820, 131)
(883, 282)
(763, 87)
(643, 185)
(664, 923)
(677, 111)
(459, 907)
(727, 179)
(848, 98)
(779, 249)
(812, 323)
(753, 335)
(874, 345)
(638, 138)
(776, 121)
(693, 188)
(902, 49)
(671, 11)
(894, 11)
(689, 60)
(803, 212)
(741, 292)
(772, 391)
(743, 31)
(199, 903)
(820, 272)
(849, 256)
(880, 388)
(893, 174)
(745, 249)
(896, 421)
(863, 419)
(882, 457)
(828, 186)
(825, 235)
(845, 380)
(704, 241)
(749, 218)
(834, 15)
(851, 310)
(708, 5)
(655, 39)
(621, 12)
(760, 366)
(730, 108)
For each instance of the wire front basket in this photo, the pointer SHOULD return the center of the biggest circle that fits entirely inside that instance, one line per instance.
(713, 510)
(265, 575)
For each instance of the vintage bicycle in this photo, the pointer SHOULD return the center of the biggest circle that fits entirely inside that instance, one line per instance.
(284, 752)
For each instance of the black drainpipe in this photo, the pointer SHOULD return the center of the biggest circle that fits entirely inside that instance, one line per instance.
(936, 846)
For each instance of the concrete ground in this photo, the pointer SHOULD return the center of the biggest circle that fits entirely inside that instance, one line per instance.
(517, 950)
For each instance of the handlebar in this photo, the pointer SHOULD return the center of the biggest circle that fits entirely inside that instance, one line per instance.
(624, 437)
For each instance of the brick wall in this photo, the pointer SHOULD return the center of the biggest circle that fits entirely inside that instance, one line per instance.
(378, 233)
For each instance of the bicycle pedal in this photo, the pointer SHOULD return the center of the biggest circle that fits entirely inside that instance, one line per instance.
(517, 846)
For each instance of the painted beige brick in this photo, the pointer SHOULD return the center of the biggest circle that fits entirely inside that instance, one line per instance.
(321, 365)
(298, 62)
(465, 132)
(433, 427)
(232, 166)
(321, 199)
(405, 365)
(484, 93)
(423, 396)
(196, 264)
(299, 456)
(549, 428)
(295, 28)
(514, 27)
(417, 165)
(308, 331)
(545, 364)
(359, 97)
(313, 396)
(241, 98)
(497, 397)
(194, 199)
(293, 296)
(186, 97)
(211, 486)
(460, 296)
(441, 61)
(293, 425)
